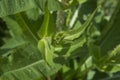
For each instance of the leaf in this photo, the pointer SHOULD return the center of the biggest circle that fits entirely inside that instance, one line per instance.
(22, 56)
(31, 72)
(45, 48)
(110, 35)
(19, 34)
(8, 7)
(74, 39)
(48, 26)
(76, 45)
(73, 34)
(68, 49)
(23, 60)
(12, 7)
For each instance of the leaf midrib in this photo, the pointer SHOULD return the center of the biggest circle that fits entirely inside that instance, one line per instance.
(23, 68)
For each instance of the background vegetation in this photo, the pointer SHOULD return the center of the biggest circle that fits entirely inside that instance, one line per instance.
(59, 40)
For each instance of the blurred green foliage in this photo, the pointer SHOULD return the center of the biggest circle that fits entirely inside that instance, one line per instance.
(59, 40)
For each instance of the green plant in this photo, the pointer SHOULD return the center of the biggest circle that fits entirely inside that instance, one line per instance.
(60, 40)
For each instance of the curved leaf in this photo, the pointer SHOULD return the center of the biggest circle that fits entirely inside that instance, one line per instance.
(73, 34)
(48, 26)
(45, 48)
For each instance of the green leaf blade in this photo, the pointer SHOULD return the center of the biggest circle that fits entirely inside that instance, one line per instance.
(11, 7)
